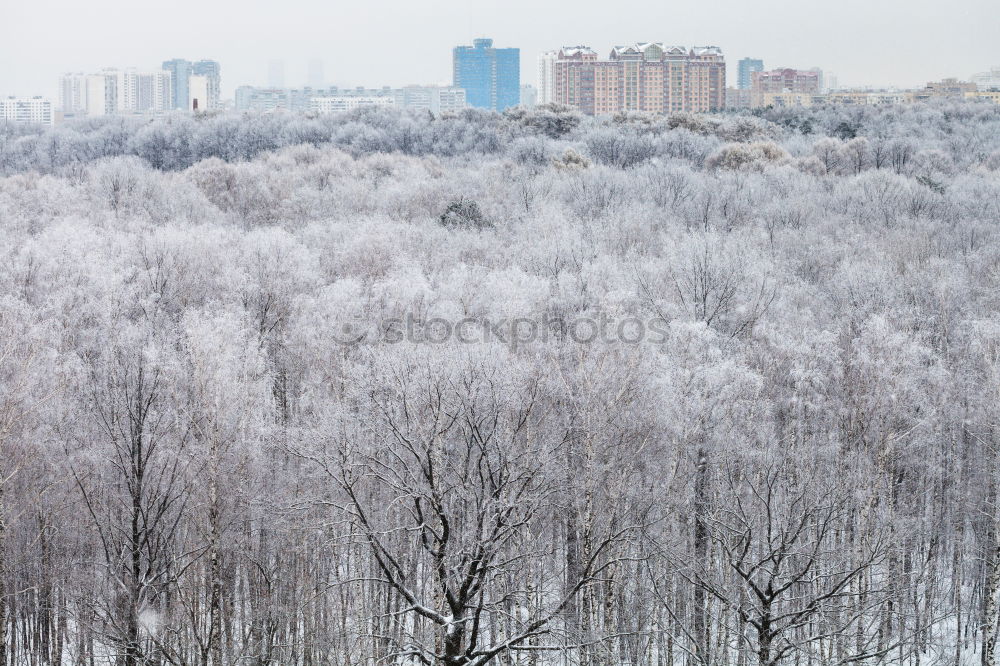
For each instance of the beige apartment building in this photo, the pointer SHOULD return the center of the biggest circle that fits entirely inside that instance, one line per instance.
(989, 95)
(766, 87)
(742, 99)
(869, 97)
(948, 88)
(648, 77)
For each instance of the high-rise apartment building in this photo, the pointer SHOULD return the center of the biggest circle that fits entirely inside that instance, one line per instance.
(180, 71)
(26, 110)
(143, 91)
(127, 88)
(648, 77)
(546, 72)
(490, 76)
(747, 66)
(102, 93)
(116, 91)
(212, 72)
(154, 91)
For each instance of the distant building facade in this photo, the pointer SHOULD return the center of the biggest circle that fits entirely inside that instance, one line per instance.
(181, 71)
(529, 96)
(820, 79)
(212, 72)
(347, 103)
(788, 99)
(251, 98)
(491, 77)
(648, 76)
(746, 68)
(784, 80)
(436, 99)
(102, 93)
(26, 110)
(987, 80)
(737, 98)
(197, 93)
(868, 97)
(986, 95)
(546, 74)
(949, 88)
(143, 91)
(73, 93)
(155, 91)
(116, 91)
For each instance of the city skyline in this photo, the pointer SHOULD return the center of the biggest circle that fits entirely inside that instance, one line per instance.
(895, 48)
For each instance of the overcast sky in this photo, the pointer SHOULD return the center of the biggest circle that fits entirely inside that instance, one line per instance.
(396, 42)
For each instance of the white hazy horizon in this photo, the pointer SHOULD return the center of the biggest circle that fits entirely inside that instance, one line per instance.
(902, 43)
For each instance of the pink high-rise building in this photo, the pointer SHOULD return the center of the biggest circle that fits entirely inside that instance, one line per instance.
(641, 77)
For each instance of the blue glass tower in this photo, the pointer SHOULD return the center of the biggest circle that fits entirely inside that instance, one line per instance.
(491, 77)
(180, 72)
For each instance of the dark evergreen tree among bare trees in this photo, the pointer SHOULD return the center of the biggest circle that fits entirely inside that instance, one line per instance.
(522, 389)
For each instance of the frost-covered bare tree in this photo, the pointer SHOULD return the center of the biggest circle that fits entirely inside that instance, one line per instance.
(135, 491)
(452, 483)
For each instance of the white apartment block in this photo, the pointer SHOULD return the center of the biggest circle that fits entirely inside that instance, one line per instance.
(347, 103)
(127, 87)
(143, 91)
(116, 91)
(436, 99)
(450, 99)
(26, 110)
(546, 82)
(102, 93)
(155, 91)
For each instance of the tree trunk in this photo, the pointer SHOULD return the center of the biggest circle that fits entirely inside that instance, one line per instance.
(3, 581)
(989, 626)
(700, 620)
(215, 566)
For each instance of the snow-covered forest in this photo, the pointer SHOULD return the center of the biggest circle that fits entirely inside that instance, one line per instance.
(521, 389)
